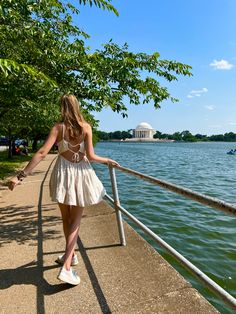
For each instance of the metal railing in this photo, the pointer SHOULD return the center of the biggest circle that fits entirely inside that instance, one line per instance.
(201, 198)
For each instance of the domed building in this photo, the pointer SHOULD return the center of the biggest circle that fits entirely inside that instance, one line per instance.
(144, 131)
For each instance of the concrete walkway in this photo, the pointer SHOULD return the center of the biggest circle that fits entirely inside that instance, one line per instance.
(114, 279)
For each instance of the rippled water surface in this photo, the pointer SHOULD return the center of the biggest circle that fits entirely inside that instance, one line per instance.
(205, 236)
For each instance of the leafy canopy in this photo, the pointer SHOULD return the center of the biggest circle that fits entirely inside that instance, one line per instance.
(43, 55)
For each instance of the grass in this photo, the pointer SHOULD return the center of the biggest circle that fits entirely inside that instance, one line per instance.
(10, 166)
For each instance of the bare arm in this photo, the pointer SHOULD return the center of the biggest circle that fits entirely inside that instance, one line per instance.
(90, 150)
(38, 156)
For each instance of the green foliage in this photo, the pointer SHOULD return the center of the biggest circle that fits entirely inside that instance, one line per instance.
(114, 72)
(102, 4)
(43, 55)
(11, 67)
(227, 137)
(117, 135)
(8, 167)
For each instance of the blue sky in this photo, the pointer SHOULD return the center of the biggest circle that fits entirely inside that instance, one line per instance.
(201, 33)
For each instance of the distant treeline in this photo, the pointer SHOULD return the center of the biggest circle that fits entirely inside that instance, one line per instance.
(117, 135)
(185, 136)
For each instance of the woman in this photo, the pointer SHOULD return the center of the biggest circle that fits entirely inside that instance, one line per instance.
(73, 183)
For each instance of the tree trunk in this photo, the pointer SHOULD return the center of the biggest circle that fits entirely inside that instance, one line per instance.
(10, 148)
(10, 143)
(35, 144)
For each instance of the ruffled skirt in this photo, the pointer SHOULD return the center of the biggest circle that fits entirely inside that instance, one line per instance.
(75, 183)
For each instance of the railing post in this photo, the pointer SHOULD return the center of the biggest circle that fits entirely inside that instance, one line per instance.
(117, 202)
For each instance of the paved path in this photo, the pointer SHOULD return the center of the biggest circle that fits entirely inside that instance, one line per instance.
(114, 279)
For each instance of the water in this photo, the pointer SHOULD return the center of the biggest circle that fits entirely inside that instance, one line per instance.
(203, 235)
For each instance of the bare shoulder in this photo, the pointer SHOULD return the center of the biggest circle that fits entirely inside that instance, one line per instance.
(57, 126)
(55, 129)
(87, 128)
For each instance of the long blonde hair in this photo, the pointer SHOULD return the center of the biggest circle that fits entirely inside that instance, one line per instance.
(71, 115)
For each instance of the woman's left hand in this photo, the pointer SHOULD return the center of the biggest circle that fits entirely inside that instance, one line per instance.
(13, 183)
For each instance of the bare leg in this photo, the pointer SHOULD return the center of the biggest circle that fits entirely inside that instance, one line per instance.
(65, 214)
(75, 220)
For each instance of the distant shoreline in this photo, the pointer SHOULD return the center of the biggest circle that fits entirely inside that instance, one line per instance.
(161, 141)
(140, 141)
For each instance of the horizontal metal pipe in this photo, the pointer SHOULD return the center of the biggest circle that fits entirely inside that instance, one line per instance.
(201, 198)
(224, 295)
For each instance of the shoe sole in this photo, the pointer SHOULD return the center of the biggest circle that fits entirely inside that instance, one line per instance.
(70, 283)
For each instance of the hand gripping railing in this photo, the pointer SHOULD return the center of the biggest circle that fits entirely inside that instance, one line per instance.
(201, 198)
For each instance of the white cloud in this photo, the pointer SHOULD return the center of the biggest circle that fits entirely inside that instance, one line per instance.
(200, 91)
(209, 107)
(197, 93)
(221, 65)
(232, 123)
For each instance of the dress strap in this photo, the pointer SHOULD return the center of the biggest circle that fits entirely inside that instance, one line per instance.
(76, 155)
(63, 130)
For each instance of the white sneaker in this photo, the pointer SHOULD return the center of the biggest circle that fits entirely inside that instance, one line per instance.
(60, 260)
(69, 276)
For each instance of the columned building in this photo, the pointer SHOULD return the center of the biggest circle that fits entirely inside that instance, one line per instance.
(144, 131)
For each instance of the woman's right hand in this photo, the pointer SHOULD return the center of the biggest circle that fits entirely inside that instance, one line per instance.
(112, 162)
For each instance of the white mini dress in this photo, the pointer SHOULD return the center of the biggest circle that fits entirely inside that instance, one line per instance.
(74, 183)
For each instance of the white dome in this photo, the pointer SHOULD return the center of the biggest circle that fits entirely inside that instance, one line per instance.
(144, 125)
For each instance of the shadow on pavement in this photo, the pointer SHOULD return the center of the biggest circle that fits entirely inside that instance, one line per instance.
(93, 278)
(24, 224)
(20, 224)
(29, 274)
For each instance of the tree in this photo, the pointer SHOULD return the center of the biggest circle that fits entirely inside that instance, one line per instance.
(102, 136)
(117, 135)
(217, 138)
(44, 55)
(201, 137)
(158, 134)
(188, 137)
(230, 137)
(126, 134)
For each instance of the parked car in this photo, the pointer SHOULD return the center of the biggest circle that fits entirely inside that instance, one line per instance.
(3, 141)
(19, 142)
